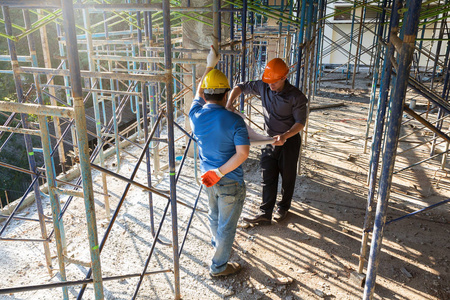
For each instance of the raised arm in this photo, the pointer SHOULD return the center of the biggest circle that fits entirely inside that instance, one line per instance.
(211, 62)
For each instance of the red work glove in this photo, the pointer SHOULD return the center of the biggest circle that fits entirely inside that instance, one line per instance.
(211, 177)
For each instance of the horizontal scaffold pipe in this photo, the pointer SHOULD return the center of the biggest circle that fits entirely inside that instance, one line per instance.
(137, 94)
(19, 58)
(24, 219)
(74, 282)
(126, 33)
(230, 10)
(20, 130)
(182, 50)
(32, 3)
(37, 109)
(67, 192)
(132, 7)
(267, 11)
(99, 7)
(148, 59)
(104, 75)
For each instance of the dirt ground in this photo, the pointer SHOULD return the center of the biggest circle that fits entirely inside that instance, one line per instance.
(309, 255)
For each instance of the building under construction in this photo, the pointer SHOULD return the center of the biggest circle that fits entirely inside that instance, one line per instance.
(94, 103)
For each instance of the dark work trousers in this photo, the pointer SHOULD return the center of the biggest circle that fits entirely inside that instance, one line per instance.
(277, 160)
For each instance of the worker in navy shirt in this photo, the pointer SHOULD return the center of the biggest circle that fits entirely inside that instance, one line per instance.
(223, 145)
(285, 114)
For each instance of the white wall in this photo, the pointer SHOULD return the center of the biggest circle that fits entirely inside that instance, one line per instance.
(337, 57)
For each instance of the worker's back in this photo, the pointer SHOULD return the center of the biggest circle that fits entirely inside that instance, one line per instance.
(218, 131)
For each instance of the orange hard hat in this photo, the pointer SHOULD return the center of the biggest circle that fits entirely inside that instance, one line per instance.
(275, 70)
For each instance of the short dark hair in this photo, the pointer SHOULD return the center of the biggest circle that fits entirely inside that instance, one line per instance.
(215, 97)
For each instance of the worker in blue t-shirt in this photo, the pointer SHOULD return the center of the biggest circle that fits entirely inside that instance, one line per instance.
(285, 114)
(223, 145)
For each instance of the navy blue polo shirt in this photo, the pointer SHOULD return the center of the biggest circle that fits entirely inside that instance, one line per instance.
(281, 110)
(218, 132)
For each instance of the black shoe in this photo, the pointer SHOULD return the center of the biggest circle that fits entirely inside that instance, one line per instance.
(280, 214)
(259, 218)
(232, 268)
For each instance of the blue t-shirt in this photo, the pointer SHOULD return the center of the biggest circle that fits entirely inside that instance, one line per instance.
(218, 132)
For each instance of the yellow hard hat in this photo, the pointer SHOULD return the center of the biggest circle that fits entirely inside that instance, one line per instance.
(215, 82)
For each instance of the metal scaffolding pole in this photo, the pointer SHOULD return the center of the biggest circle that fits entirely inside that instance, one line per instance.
(300, 44)
(80, 126)
(351, 43)
(171, 142)
(358, 46)
(378, 136)
(436, 60)
(56, 121)
(32, 49)
(410, 28)
(96, 106)
(378, 39)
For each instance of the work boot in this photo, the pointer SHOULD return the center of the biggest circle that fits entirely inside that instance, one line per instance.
(232, 268)
(279, 215)
(259, 218)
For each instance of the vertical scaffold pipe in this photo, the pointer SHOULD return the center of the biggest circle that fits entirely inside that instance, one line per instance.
(310, 64)
(231, 73)
(320, 25)
(378, 134)
(51, 179)
(308, 67)
(300, 69)
(300, 42)
(145, 105)
(48, 64)
(358, 46)
(219, 19)
(80, 124)
(377, 37)
(407, 50)
(153, 99)
(280, 28)
(251, 60)
(216, 25)
(308, 35)
(244, 49)
(445, 93)
(288, 52)
(141, 67)
(313, 54)
(436, 62)
(147, 92)
(37, 194)
(351, 43)
(194, 91)
(55, 205)
(67, 90)
(96, 106)
(171, 144)
(320, 42)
